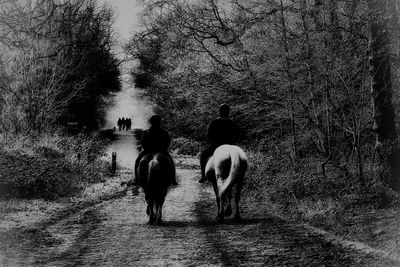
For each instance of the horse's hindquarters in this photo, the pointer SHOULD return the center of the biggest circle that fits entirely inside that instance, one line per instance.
(155, 185)
(229, 165)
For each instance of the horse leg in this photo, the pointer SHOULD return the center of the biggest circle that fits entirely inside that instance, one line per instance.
(152, 215)
(159, 214)
(222, 208)
(220, 213)
(159, 204)
(148, 204)
(228, 210)
(156, 213)
(214, 184)
(239, 187)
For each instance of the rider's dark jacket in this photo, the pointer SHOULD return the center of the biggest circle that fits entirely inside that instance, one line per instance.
(222, 131)
(155, 140)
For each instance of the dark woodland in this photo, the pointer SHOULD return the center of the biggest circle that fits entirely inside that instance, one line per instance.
(313, 86)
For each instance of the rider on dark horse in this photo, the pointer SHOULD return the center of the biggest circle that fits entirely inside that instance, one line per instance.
(221, 130)
(155, 140)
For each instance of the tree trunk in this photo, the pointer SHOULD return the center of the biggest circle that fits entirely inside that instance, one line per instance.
(386, 145)
(291, 88)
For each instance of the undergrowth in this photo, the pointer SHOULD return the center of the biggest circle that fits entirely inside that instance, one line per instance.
(301, 192)
(50, 166)
(186, 146)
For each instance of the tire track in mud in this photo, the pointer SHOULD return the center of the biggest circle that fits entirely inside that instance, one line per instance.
(271, 241)
(113, 231)
(19, 244)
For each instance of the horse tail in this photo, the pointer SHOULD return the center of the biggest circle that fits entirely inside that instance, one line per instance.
(154, 167)
(236, 158)
(156, 180)
(152, 175)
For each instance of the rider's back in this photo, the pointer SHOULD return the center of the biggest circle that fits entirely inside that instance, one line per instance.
(223, 131)
(155, 140)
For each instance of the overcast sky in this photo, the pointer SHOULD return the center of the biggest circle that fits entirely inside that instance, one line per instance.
(125, 103)
(126, 12)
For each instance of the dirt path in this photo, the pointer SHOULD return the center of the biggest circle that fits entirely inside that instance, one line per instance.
(113, 231)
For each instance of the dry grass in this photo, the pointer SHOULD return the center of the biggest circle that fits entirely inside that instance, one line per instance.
(336, 204)
(185, 146)
(48, 166)
(303, 193)
(7, 206)
(316, 209)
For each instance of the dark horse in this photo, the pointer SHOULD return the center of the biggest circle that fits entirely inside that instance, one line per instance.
(154, 170)
(226, 168)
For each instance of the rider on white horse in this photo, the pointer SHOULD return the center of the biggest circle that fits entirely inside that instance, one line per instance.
(220, 131)
(155, 140)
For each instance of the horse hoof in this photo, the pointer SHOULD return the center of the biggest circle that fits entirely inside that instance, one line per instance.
(228, 211)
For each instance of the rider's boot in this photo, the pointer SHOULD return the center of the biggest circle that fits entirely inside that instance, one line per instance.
(173, 182)
(173, 178)
(173, 171)
(203, 176)
(203, 162)
(203, 179)
(135, 179)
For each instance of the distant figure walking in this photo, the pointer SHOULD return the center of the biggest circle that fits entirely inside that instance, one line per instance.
(119, 124)
(128, 124)
(155, 140)
(123, 122)
(221, 130)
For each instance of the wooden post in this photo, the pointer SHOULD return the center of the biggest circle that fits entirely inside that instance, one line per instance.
(114, 162)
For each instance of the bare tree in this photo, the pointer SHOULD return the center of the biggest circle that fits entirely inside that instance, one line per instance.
(34, 90)
(56, 49)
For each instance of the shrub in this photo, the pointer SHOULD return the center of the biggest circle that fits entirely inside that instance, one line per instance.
(48, 167)
(303, 191)
(186, 146)
(25, 176)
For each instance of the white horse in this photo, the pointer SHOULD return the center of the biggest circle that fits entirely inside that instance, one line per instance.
(226, 168)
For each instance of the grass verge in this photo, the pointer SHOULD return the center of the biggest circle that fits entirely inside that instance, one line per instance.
(337, 203)
(48, 167)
